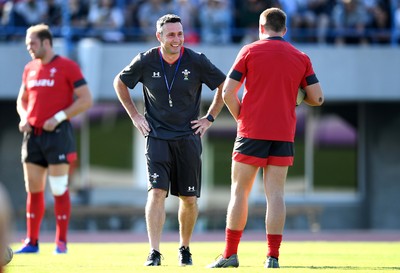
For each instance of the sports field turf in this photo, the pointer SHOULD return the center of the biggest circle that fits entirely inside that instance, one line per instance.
(296, 257)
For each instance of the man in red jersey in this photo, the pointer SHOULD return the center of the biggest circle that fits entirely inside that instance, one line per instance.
(266, 122)
(53, 90)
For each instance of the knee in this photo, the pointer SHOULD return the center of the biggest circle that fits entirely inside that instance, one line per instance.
(189, 201)
(35, 183)
(58, 184)
(156, 195)
(275, 198)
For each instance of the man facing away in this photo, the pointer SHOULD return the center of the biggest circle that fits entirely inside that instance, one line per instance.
(53, 90)
(172, 77)
(274, 70)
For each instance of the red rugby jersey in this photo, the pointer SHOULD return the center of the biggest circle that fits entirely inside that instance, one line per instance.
(50, 87)
(273, 70)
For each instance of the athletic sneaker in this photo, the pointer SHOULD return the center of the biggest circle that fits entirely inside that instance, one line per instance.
(154, 258)
(221, 262)
(271, 262)
(185, 257)
(28, 247)
(61, 248)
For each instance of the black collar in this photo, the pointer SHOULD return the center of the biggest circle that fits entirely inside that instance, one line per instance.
(276, 38)
(54, 57)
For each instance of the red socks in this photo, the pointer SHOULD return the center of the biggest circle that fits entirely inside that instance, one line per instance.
(35, 208)
(274, 243)
(232, 239)
(62, 209)
(34, 215)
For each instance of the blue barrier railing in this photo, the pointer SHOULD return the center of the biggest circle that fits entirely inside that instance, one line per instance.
(387, 36)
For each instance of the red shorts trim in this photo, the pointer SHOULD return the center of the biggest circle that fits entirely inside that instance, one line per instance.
(262, 162)
(72, 157)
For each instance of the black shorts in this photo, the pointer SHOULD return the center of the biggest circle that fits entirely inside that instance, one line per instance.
(43, 148)
(175, 165)
(261, 153)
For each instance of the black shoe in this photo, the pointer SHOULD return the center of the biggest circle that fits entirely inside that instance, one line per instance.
(154, 258)
(271, 262)
(185, 257)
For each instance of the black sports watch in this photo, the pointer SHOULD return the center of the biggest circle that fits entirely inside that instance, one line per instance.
(210, 118)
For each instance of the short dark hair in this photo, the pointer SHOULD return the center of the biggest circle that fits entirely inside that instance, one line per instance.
(273, 19)
(42, 31)
(168, 18)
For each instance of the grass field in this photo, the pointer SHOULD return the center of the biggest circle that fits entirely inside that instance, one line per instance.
(296, 257)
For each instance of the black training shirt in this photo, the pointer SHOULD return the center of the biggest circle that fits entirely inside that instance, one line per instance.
(194, 69)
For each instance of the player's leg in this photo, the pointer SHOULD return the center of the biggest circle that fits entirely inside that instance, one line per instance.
(58, 182)
(35, 182)
(155, 216)
(243, 176)
(155, 219)
(60, 152)
(274, 185)
(187, 216)
(274, 177)
(186, 183)
(158, 165)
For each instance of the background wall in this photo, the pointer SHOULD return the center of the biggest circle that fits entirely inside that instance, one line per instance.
(346, 73)
(366, 77)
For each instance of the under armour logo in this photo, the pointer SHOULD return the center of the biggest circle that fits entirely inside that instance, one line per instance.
(61, 157)
(156, 75)
(62, 217)
(190, 189)
(154, 176)
(186, 74)
(30, 215)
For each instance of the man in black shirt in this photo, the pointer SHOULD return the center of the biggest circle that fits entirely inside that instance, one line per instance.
(172, 78)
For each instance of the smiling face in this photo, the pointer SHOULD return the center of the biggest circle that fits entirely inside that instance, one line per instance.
(171, 39)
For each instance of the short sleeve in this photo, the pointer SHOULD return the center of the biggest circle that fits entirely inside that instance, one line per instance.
(238, 70)
(75, 75)
(131, 74)
(309, 76)
(212, 76)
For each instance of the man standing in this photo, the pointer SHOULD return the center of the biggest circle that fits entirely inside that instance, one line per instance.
(274, 70)
(172, 78)
(45, 103)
